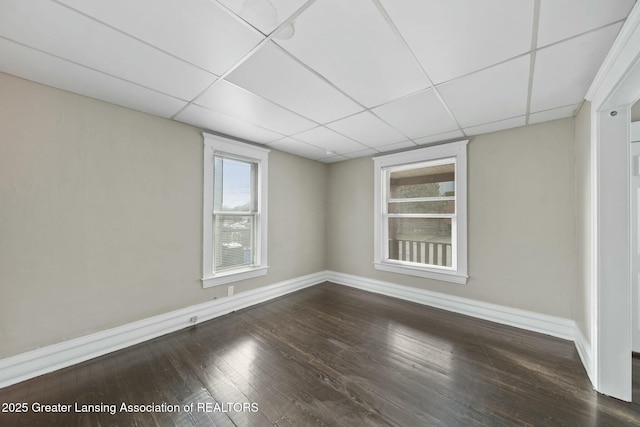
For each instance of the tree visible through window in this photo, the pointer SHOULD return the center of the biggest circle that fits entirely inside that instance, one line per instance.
(235, 203)
(235, 210)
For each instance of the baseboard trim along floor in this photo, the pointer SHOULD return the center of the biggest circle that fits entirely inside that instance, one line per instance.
(47, 359)
(550, 325)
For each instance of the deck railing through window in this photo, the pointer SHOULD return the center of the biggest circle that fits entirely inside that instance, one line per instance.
(432, 253)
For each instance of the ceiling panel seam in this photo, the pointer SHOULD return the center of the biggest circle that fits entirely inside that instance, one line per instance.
(331, 153)
(244, 121)
(398, 34)
(532, 61)
(92, 69)
(584, 33)
(479, 70)
(249, 55)
(126, 34)
(257, 96)
(335, 131)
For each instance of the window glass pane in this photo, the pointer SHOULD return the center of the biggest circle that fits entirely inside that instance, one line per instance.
(421, 240)
(233, 241)
(234, 185)
(435, 207)
(429, 181)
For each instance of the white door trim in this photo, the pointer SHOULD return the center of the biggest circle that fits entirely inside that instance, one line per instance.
(634, 182)
(615, 88)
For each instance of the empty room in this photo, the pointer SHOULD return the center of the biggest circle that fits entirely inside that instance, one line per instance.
(319, 213)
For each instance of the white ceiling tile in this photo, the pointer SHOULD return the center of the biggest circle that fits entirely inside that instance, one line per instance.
(439, 138)
(334, 159)
(329, 140)
(271, 73)
(368, 129)
(554, 114)
(265, 15)
(362, 153)
(211, 120)
(493, 94)
(234, 101)
(49, 27)
(49, 70)
(154, 56)
(351, 44)
(560, 19)
(417, 115)
(496, 126)
(564, 72)
(396, 146)
(454, 38)
(198, 31)
(300, 148)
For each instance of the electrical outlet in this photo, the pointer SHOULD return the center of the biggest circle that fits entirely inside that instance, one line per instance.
(193, 320)
(230, 291)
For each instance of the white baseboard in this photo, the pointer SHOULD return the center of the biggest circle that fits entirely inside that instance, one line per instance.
(51, 358)
(48, 359)
(549, 325)
(584, 351)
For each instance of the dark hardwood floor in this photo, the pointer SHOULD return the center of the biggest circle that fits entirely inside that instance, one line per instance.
(329, 356)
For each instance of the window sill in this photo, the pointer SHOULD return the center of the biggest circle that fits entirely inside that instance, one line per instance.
(233, 276)
(445, 276)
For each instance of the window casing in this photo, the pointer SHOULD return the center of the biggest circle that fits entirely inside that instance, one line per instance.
(235, 211)
(420, 212)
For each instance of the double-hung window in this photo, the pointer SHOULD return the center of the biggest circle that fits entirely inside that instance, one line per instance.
(235, 211)
(420, 212)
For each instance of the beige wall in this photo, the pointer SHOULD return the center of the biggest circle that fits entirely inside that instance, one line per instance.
(522, 231)
(582, 301)
(101, 216)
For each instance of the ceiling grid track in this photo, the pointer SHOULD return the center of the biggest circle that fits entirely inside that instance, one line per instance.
(249, 55)
(90, 68)
(398, 34)
(532, 62)
(357, 78)
(342, 92)
(124, 33)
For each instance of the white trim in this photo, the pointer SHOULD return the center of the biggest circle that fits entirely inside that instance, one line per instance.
(233, 276)
(593, 256)
(423, 272)
(634, 169)
(542, 323)
(38, 362)
(57, 356)
(409, 159)
(584, 351)
(613, 302)
(216, 144)
(615, 67)
(616, 86)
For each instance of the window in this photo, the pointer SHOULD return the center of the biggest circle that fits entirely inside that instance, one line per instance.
(420, 212)
(235, 211)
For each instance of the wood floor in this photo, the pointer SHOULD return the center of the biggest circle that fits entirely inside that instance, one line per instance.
(329, 356)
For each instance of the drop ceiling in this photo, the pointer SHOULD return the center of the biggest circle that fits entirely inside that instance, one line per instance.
(356, 78)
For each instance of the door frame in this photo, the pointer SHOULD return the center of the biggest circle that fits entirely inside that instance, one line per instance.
(634, 183)
(613, 91)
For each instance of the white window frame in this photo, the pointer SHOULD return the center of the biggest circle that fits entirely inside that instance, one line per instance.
(217, 145)
(409, 159)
